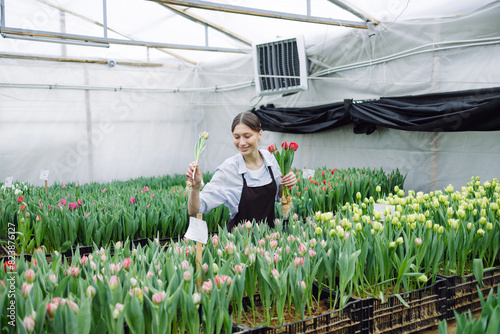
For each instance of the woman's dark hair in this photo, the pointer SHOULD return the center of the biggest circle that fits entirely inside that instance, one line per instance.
(249, 119)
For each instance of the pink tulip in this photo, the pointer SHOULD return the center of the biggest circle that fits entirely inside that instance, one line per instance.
(63, 186)
(74, 271)
(187, 276)
(132, 201)
(146, 189)
(302, 249)
(84, 260)
(302, 284)
(275, 273)
(104, 190)
(207, 287)
(185, 265)
(63, 202)
(51, 309)
(126, 263)
(29, 324)
(298, 261)
(215, 241)
(72, 305)
(238, 269)
(113, 282)
(26, 289)
(205, 267)
(158, 297)
(29, 275)
(79, 202)
(276, 258)
(219, 280)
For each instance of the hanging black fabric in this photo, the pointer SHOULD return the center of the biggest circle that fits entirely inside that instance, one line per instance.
(472, 110)
(302, 120)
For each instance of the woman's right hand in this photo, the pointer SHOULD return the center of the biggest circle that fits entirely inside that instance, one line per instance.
(198, 178)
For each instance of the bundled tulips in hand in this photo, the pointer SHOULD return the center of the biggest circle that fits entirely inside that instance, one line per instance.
(285, 159)
(199, 147)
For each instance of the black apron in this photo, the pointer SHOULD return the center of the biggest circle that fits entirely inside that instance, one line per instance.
(256, 203)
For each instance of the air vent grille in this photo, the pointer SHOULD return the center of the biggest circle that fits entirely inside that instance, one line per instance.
(280, 66)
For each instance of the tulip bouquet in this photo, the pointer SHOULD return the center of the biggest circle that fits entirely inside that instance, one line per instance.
(198, 148)
(285, 160)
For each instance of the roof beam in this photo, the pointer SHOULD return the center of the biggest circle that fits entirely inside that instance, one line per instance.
(112, 30)
(201, 20)
(354, 10)
(44, 35)
(263, 13)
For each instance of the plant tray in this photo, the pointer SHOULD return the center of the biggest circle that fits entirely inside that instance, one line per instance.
(426, 307)
(344, 321)
(462, 292)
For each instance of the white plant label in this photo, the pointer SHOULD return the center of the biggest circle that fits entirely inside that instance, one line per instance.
(8, 182)
(44, 174)
(381, 208)
(307, 173)
(197, 230)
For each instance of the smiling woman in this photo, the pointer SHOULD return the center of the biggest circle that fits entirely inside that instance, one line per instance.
(248, 183)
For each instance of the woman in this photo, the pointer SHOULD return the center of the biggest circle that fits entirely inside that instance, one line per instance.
(248, 183)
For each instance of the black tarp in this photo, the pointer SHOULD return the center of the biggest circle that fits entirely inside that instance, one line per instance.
(471, 110)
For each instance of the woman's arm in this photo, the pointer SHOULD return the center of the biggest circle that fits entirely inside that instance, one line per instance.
(194, 194)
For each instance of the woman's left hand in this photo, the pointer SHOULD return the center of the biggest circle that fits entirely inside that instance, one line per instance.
(289, 179)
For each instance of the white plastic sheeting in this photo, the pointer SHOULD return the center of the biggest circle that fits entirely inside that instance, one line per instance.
(89, 122)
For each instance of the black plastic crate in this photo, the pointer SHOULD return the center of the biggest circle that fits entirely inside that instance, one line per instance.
(348, 320)
(462, 292)
(426, 307)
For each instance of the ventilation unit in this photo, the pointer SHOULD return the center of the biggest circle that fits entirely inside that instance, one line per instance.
(280, 66)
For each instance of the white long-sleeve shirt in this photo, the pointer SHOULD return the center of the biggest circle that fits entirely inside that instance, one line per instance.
(226, 184)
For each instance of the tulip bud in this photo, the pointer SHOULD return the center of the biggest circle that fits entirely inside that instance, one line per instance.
(29, 275)
(113, 282)
(29, 324)
(91, 291)
(480, 232)
(392, 244)
(399, 240)
(206, 287)
(158, 297)
(422, 278)
(489, 226)
(26, 289)
(418, 242)
(428, 224)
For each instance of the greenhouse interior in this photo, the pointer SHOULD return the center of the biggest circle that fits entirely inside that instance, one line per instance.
(361, 192)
